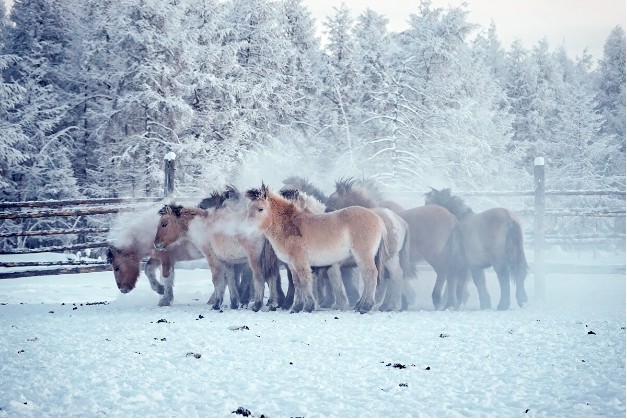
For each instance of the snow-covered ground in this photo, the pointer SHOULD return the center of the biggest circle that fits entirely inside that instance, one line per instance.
(73, 346)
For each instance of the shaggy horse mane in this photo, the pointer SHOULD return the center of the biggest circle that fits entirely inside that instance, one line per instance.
(217, 198)
(171, 209)
(367, 186)
(452, 203)
(304, 185)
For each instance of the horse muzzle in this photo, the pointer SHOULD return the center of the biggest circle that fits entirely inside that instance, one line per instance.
(159, 246)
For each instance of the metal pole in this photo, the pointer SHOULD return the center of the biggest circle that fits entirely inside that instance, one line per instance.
(169, 174)
(538, 240)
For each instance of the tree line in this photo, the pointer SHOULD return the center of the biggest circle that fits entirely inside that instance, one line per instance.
(95, 92)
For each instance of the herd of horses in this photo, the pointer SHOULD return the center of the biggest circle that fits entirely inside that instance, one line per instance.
(352, 248)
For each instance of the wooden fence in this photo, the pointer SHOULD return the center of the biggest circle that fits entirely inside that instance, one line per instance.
(109, 206)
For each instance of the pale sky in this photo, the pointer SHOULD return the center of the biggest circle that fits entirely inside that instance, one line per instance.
(576, 24)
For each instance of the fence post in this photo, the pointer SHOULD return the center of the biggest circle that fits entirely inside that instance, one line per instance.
(538, 234)
(169, 174)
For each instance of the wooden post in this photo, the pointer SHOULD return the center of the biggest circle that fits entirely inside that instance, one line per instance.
(538, 240)
(169, 174)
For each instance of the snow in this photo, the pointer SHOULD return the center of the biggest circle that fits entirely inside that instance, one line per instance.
(73, 346)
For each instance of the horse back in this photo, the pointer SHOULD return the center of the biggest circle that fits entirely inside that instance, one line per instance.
(485, 235)
(430, 227)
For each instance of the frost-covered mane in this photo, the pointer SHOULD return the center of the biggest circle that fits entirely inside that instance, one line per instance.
(303, 185)
(452, 203)
(303, 200)
(134, 228)
(367, 186)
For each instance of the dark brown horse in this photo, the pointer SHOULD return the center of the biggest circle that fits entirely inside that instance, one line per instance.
(130, 243)
(304, 240)
(490, 238)
(433, 232)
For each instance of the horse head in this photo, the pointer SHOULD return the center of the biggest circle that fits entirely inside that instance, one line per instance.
(303, 185)
(125, 264)
(350, 192)
(170, 227)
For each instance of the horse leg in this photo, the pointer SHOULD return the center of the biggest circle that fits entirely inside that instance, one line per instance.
(382, 290)
(167, 276)
(436, 295)
(219, 286)
(350, 281)
(305, 299)
(369, 274)
(326, 290)
(502, 272)
(393, 300)
(150, 270)
(258, 283)
(521, 294)
(289, 298)
(335, 278)
(408, 296)
(229, 274)
(478, 277)
(245, 283)
(277, 297)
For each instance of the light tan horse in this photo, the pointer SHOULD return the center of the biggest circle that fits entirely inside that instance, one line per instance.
(130, 241)
(303, 240)
(222, 237)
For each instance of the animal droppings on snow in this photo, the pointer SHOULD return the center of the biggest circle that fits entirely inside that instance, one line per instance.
(236, 328)
(50, 312)
(195, 355)
(21, 351)
(591, 333)
(200, 317)
(162, 320)
(242, 411)
(444, 335)
(403, 385)
(428, 368)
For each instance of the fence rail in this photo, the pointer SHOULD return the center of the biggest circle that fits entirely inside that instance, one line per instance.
(109, 206)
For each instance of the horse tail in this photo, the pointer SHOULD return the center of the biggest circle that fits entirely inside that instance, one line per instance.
(379, 259)
(269, 261)
(514, 250)
(408, 267)
(454, 253)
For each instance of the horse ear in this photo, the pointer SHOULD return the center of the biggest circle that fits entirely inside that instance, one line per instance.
(163, 210)
(264, 191)
(111, 252)
(252, 194)
(177, 210)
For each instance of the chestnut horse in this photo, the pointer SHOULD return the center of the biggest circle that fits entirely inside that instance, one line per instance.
(130, 241)
(303, 240)
(490, 238)
(433, 232)
(220, 233)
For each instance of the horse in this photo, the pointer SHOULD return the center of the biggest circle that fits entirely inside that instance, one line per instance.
(397, 236)
(130, 241)
(433, 232)
(490, 238)
(304, 240)
(349, 276)
(220, 232)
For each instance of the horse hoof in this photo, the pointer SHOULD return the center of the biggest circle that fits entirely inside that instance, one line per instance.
(164, 302)
(216, 306)
(234, 304)
(272, 308)
(502, 307)
(256, 306)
